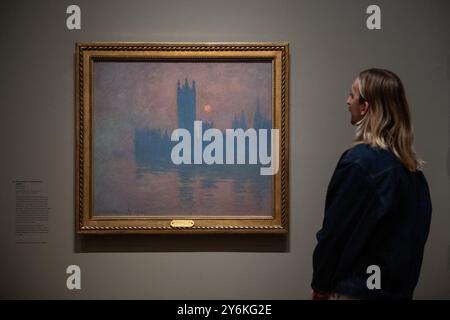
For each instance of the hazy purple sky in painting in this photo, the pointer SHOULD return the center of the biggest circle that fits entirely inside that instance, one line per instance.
(130, 95)
(148, 90)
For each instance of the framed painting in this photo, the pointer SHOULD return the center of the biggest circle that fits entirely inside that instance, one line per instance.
(182, 138)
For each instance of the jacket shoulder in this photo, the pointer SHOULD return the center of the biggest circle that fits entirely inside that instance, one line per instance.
(373, 160)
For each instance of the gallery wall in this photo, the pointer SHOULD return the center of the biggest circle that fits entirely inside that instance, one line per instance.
(329, 45)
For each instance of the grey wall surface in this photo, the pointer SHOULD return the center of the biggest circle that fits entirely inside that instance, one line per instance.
(329, 44)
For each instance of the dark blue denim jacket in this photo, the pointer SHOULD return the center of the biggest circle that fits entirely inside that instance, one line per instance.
(376, 213)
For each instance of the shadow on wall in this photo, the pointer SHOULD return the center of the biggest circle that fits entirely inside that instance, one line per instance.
(448, 148)
(182, 243)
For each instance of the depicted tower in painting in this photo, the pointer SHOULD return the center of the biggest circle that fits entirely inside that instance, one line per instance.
(186, 105)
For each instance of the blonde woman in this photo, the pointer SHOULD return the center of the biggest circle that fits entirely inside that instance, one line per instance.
(378, 206)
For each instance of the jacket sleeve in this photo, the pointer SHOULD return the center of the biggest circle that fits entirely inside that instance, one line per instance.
(350, 201)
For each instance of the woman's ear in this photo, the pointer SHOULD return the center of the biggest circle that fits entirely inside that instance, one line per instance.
(364, 108)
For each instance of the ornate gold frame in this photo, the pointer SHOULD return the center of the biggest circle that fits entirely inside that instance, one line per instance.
(86, 53)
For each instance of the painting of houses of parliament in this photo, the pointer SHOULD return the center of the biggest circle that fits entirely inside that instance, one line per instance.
(138, 105)
(153, 145)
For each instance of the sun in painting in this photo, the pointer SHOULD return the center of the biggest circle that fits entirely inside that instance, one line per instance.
(207, 108)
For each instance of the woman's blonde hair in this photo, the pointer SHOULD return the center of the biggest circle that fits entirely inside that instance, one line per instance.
(387, 123)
